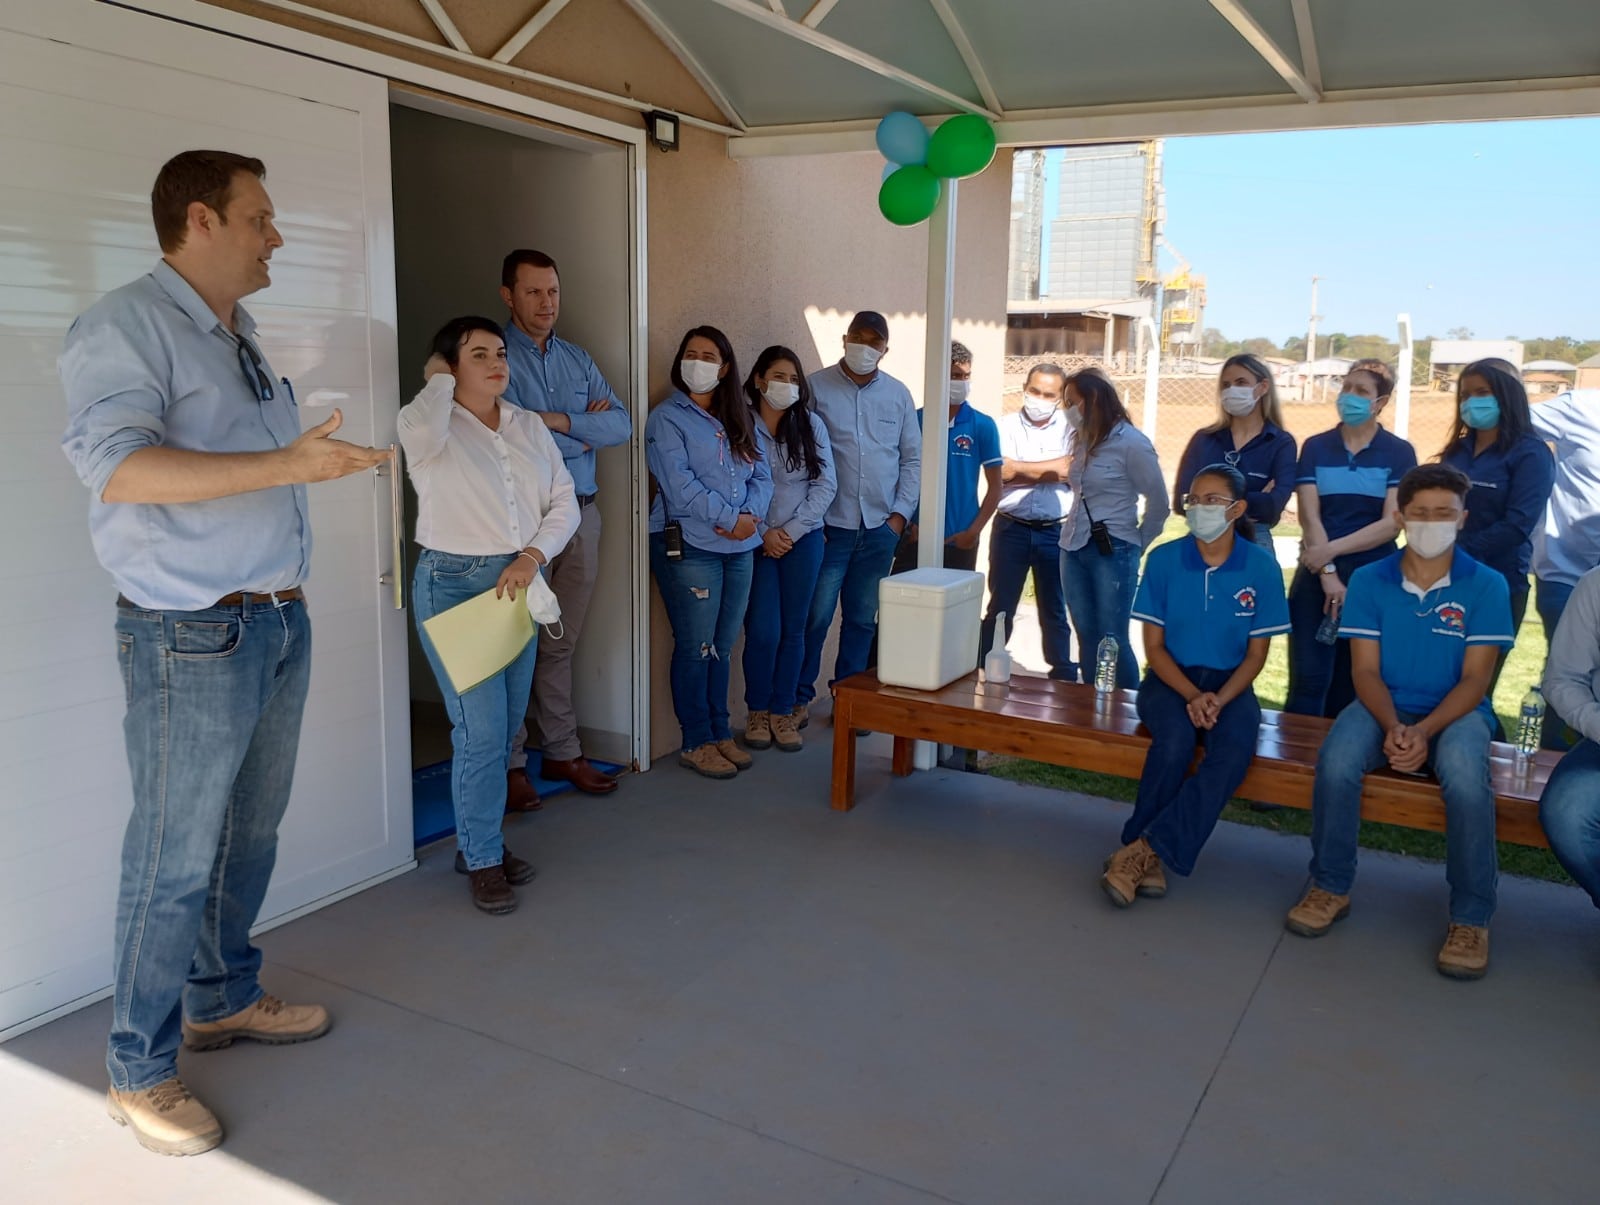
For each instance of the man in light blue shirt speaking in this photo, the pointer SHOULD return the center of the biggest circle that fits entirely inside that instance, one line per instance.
(877, 455)
(559, 382)
(195, 460)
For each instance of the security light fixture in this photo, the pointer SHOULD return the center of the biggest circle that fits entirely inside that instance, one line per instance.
(662, 129)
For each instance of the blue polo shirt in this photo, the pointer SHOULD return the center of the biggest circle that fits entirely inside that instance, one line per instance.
(974, 444)
(1351, 490)
(1210, 615)
(1422, 641)
(1510, 487)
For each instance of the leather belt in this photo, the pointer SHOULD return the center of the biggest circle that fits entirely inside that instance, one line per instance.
(1036, 524)
(585, 499)
(275, 599)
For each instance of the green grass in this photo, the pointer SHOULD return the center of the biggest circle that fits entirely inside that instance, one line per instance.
(1523, 668)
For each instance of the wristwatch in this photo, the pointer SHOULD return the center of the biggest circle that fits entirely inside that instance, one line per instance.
(1330, 567)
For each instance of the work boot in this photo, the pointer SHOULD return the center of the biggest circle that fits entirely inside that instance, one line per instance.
(758, 730)
(1465, 954)
(707, 759)
(518, 872)
(166, 1119)
(521, 794)
(490, 891)
(269, 1020)
(801, 715)
(730, 750)
(1314, 915)
(1128, 870)
(786, 734)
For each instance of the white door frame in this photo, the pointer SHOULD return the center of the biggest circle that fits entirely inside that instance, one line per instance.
(330, 50)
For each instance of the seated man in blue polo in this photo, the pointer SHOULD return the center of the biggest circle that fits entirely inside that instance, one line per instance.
(974, 450)
(1426, 625)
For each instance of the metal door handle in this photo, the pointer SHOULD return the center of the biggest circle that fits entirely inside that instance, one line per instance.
(396, 577)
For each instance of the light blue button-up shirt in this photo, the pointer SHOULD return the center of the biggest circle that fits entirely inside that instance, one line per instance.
(877, 446)
(703, 484)
(1568, 546)
(148, 365)
(1108, 485)
(799, 503)
(563, 377)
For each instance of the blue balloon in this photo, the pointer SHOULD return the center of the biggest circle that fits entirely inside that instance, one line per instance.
(903, 139)
(889, 169)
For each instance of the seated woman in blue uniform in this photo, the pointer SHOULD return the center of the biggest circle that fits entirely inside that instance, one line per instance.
(1210, 603)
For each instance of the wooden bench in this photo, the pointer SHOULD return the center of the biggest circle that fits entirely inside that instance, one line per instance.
(1067, 724)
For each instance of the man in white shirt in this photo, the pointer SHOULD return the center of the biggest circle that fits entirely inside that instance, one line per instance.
(1036, 443)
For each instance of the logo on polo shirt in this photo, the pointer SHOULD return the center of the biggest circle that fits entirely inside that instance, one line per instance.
(1245, 600)
(1451, 620)
(964, 443)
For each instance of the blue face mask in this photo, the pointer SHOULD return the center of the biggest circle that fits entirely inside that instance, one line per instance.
(1354, 409)
(1481, 413)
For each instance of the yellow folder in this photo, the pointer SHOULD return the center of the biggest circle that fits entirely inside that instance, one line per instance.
(480, 637)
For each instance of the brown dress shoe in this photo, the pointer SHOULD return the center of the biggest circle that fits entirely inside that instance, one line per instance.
(580, 774)
(518, 871)
(490, 891)
(521, 794)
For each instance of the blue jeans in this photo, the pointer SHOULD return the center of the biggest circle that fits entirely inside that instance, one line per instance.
(706, 596)
(1175, 810)
(1459, 757)
(781, 589)
(214, 700)
(1015, 549)
(1319, 674)
(1550, 599)
(854, 561)
(1569, 810)
(1099, 591)
(484, 721)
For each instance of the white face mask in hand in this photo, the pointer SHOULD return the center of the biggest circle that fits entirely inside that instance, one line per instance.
(542, 603)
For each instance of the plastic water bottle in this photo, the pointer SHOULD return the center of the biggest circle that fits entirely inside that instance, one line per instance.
(1105, 666)
(997, 665)
(1530, 726)
(1328, 629)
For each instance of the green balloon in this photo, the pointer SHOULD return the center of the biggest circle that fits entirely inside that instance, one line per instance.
(909, 196)
(962, 146)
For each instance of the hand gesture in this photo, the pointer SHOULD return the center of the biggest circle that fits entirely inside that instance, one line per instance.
(963, 540)
(742, 530)
(1333, 591)
(776, 542)
(1314, 556)
(436, 366)
(1406, 748)
(317, 456)
(599, 404)
(1204, 710)
(517, 575)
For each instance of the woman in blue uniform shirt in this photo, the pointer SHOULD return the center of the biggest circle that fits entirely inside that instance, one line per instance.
(1247, 434)
(713, 485)
(1210, 604)
(1512, 473)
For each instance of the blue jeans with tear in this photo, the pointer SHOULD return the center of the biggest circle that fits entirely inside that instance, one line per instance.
(214, 700)
(484, 721)
(706, 595)
(1459, 756)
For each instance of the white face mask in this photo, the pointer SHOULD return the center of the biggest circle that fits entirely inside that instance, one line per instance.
(1207, 522)
(1039, 409)
(700, 376)
(1075, 417)
(1239, 400)
(781, 395)
(1429, 540)
(959, 391)
(542, 602)
(860, 358)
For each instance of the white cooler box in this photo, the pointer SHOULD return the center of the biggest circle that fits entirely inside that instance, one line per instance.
(928, 623)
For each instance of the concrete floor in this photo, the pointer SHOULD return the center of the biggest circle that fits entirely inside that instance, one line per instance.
(728, 993)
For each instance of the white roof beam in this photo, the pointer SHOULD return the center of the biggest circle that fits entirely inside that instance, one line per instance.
(531, 28)
(777, 7)
(1261, 42)
(818, 11)
(969, 55)
(1310, 60)
(442, 22)
(843, 50)
(684, 55)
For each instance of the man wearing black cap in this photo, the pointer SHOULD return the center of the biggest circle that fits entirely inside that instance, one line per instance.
(877, 453)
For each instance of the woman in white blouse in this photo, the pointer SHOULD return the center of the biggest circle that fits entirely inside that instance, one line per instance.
(495, 503)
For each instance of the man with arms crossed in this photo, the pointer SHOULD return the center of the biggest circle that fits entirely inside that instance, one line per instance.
(193, 452)
(559, 382)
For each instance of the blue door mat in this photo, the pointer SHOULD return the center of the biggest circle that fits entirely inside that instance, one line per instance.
(432, 814)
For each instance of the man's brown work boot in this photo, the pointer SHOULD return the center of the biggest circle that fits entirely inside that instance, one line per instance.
(268, 1020)
(1465, 954)
(1314, 915)
(1128, 870)
(166, 1118)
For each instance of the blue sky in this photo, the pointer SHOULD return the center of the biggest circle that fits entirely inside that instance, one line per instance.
(1489, 226)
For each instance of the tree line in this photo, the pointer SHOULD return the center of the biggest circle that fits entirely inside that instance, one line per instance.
(1216, 345)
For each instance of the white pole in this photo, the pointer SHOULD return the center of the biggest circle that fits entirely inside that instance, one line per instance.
(936, 404)
(1402, 385)
(1311, 324)
(1152, 376)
